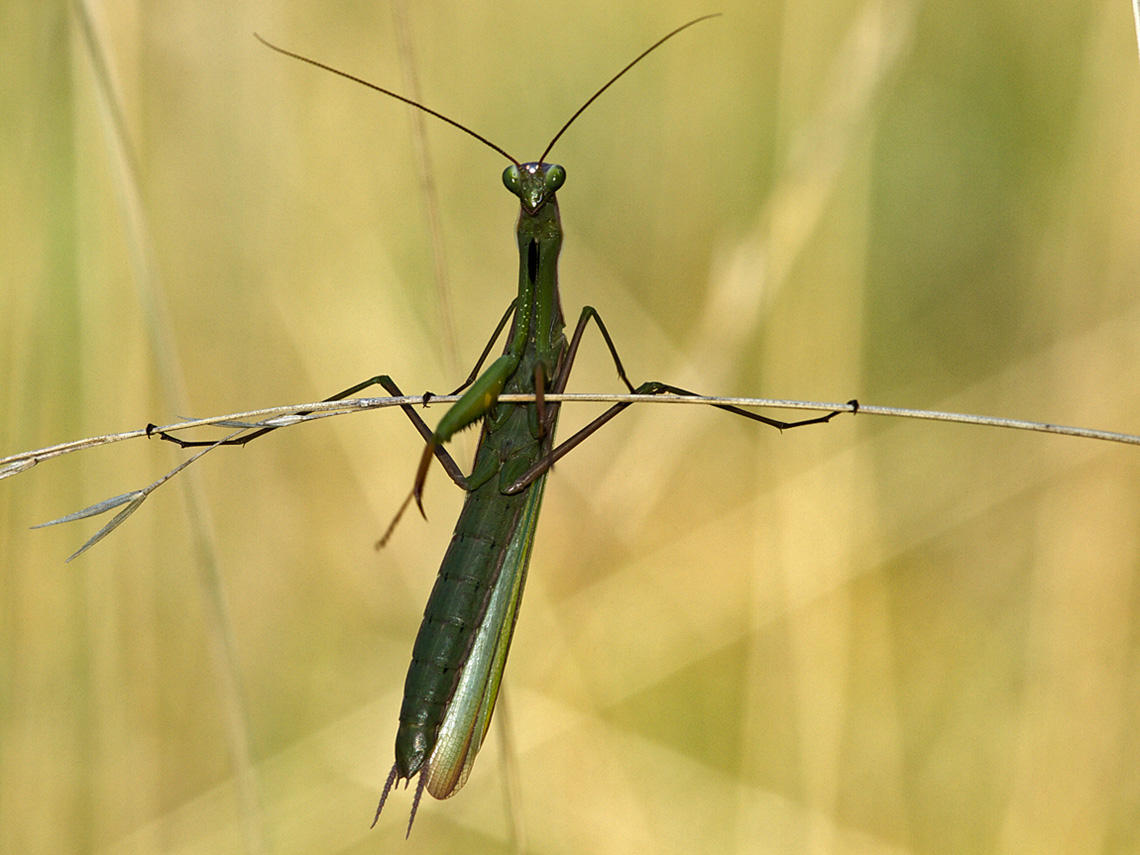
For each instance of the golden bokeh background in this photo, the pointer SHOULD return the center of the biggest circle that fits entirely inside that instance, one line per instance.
(876, 636)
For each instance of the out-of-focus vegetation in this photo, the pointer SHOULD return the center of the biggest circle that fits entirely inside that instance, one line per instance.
(866, 637)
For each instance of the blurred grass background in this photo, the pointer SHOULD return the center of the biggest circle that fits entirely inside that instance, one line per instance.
(869, 637)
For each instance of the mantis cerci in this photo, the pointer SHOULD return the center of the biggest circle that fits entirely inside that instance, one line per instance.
(838, 635)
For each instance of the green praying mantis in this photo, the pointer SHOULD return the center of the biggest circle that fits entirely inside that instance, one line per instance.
(462, 645)
(461, 649)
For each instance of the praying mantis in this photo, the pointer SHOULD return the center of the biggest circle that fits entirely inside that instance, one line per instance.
(461, 649)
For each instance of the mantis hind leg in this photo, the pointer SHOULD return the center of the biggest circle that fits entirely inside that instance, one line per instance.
(650, 388)
(383, 380)
(153, 430)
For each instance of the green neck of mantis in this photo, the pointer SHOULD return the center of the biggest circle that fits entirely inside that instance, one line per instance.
(538, 318)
